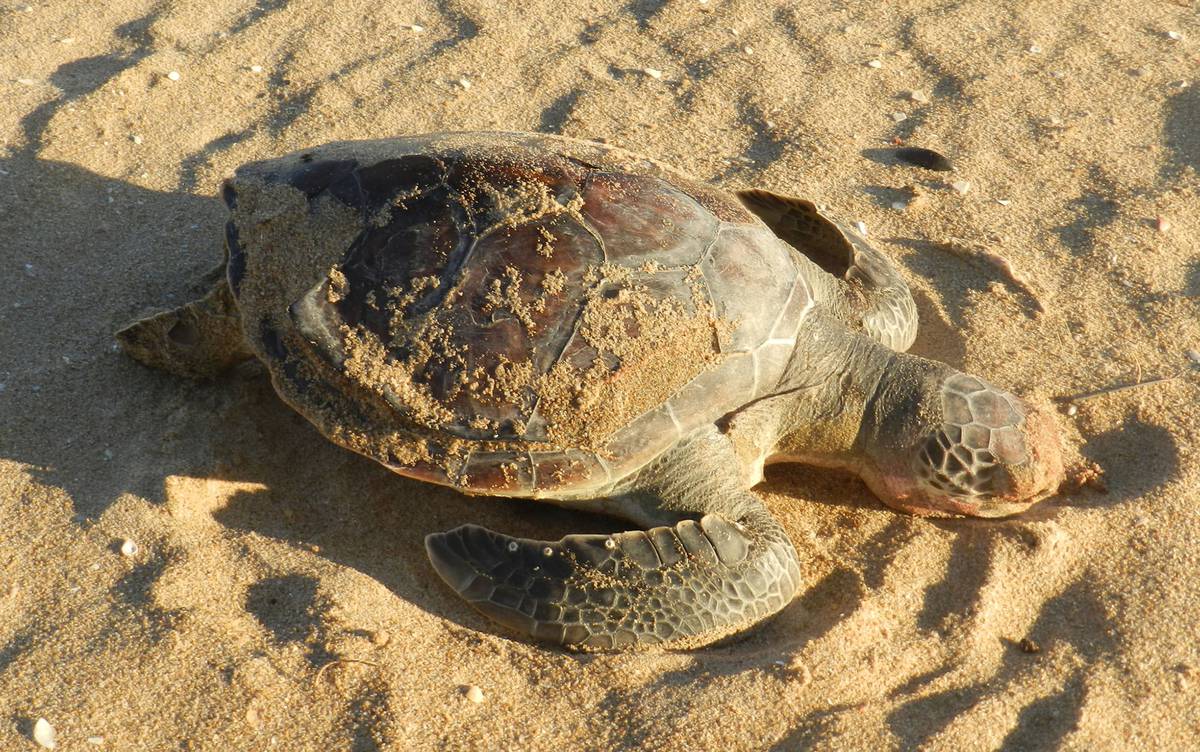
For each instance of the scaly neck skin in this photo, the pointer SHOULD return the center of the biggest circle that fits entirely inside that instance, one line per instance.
(818, 415)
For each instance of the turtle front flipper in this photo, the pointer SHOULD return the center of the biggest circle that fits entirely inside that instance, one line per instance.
(880, 299)
(683, 585)
(198, 340)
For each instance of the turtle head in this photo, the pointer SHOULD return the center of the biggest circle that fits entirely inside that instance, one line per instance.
(942, 442)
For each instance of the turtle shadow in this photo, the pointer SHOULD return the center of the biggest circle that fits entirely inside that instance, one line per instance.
(89, 253)
(937, 338)
(1182, 137)
(1138, 458)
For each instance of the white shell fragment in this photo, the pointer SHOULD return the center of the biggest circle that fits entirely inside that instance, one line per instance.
(44, 734)
(465, 83)
(652, 72)
(1034, 49)
(129, 547)
(861, 227)
(899, 117)
(1162, 224)
(961, 187)
(919, 96)
(136, 138)
(875, 63)
(173, 75)
(474, 694)
(1194, 356)
(256, 69)
(413, 27)
(1175, 35)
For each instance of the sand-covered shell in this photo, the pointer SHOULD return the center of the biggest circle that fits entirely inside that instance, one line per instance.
(506, 313)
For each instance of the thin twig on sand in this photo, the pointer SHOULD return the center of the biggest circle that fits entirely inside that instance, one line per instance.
(1077, 398)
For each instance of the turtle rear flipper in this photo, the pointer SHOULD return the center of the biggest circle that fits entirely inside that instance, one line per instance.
(199, 340)
(684, 585)
(879, 299)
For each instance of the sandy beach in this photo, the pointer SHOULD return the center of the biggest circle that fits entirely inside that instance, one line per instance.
(190, 565)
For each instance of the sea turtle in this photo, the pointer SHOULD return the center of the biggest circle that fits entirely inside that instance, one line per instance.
(534, 316)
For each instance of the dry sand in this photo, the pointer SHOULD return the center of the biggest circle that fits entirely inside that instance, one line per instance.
(265, 553)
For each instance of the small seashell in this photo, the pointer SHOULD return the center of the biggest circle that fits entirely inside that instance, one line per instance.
(465, 83)
(918, 96)
(136, 138)
(1175, 35)
(899, 117)
(474, 694)
(861, 227)
(927, 158)
(962, 187)
(1003, 201)
(256, 69)
(1072, 410)
(652, 72)
(26, 81)
(173, 75)
(129, 547)
(875, 64)
(44, 734)
(413, 27)
(1194, 356)
(1034, 49)
(1162, 224)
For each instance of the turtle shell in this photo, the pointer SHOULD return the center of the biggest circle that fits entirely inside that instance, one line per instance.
(512, 314)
